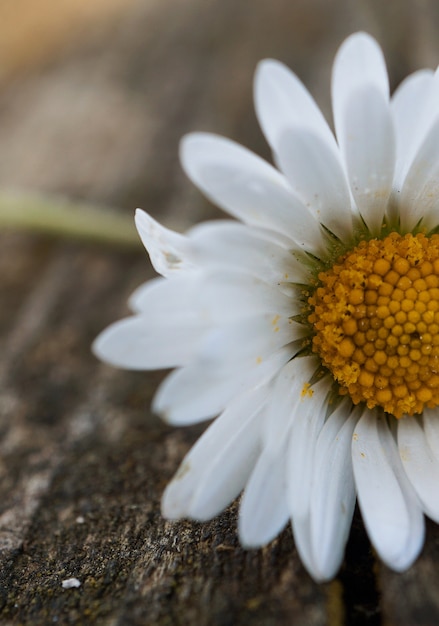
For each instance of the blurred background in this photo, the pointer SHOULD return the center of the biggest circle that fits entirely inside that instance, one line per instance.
(94, 97)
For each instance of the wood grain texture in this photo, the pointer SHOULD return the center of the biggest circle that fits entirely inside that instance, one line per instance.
(83, 463)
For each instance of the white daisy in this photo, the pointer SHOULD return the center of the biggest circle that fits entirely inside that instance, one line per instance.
(310, 327)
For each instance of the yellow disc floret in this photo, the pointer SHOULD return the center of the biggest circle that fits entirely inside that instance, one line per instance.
(375, 318)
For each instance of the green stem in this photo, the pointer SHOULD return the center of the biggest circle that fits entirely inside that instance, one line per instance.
(61, 217)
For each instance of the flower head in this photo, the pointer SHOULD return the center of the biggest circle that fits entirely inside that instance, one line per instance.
(309, 328)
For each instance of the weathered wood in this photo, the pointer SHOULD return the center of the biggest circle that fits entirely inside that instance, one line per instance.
(83, 463)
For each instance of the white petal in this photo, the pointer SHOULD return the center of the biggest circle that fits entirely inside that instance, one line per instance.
(358, 62)
(170, 299)
(321, 489)
(263, 512)
(211, 296)
(413, 106)
(360, 100)
(218, 466)
(316, 175)
(264, 509)
(253, 338)
(197, 392)
(430, 418)
(232, 244)
(132, 343)
(302, 442)
(301, 449)
(367, 142)
(420, 464)
(419, 193)
(280, 239)
(247, 187)
(227, 295)
(333, 492)
(289, 399)
(302, 538)
(169, 251)
(389, 506)
(282, 102)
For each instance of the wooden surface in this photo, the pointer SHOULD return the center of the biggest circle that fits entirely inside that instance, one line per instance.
(83, 463)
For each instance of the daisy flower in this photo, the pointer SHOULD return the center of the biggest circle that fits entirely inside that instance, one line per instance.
(309, 325)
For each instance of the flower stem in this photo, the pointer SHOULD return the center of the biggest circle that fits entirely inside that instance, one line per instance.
(61, 217)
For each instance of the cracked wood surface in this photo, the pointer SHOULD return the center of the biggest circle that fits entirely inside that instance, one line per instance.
(97, 116)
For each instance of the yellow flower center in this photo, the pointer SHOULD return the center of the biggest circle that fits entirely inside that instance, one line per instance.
(375, 316)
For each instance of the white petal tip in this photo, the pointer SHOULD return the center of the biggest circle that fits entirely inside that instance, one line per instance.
(250, 543)
(105, 349)
(162, 412)
(267, 71)
(191, 144)
(252, 537)
(267, 65)
(142, 217)
(171, 508)
(165, 413)
(402, 563)
(359, 38)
